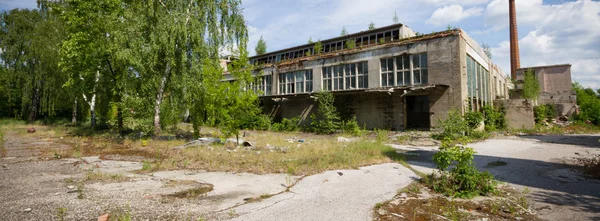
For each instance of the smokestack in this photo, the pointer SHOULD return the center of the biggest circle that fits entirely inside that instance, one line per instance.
(515, 62)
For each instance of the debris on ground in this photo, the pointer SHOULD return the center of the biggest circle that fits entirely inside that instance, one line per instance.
(31, 130)
(345, 140)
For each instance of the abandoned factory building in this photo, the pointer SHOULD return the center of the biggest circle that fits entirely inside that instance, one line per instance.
(387, 77)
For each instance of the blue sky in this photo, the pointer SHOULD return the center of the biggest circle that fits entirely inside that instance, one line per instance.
(550, 31)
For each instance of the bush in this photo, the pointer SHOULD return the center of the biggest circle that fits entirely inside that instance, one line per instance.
(286, 125)
(327, 119)
(495, 118)
(454, 126)
(473, 119)
(257, 122)
(543, 113)
(589, 104)
(351, 127)
(457, 175)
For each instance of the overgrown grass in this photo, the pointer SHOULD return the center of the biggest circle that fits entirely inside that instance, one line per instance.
(295, 153)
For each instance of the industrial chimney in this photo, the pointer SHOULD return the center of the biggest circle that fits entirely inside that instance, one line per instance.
(515, 62)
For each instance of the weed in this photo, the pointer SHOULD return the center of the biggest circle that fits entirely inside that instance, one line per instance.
(61, 213)
(382, 135)
(57, 155)
(2, 148)
(103, 177)
(286, 125)
(463, 179)
(351, 127)
(378, 205)
(80, 191)
(121, 215)
(146, 165)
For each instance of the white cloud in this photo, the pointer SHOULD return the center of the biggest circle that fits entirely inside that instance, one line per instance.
(457, 2)
(565, 33)
(451, 14)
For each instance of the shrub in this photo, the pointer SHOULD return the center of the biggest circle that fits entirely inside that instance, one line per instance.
(589, 104)
(495, 118)
(454, 126)
(327, 119)
(543, 113)
(351, 127)
(257, 122)
(382, 135)
(457, 175)
(286, 125)
(473, 119)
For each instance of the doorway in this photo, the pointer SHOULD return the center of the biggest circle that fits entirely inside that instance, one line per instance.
(417, 112)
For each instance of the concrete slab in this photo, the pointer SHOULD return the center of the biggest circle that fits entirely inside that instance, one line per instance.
(539, 163)
(332, 195)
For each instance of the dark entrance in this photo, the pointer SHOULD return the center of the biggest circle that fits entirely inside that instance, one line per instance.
(417, 112)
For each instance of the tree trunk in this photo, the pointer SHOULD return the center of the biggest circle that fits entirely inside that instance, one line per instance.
(159, 98)
(74, 114)
(120, 118)
(34, 106)
(92, 102)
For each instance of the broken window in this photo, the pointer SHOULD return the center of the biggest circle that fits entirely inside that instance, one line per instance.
(420, 72)
(403, 70)
(295, 82)
(387, 72)
(327, 82)
(363, 74)
(262, 86)
(350, 73)
(338, 77)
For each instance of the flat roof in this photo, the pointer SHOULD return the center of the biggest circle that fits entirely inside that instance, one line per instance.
(361, 33)
(544, 66)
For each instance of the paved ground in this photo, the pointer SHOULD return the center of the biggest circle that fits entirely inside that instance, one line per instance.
(37, 189)
(541, 163)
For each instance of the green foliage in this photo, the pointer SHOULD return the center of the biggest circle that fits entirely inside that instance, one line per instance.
(457, 175)
(318, 47)
(261, 46)
(589, 104)
(327, 119)
(543, 113)
(286, 125)
(454, 126)
(344, 31)
(350, 44)
(531, 86)
(450, 27)
(371, 26)
(351, 127)
(495, 118)
(310, 41)
(473, 120)
(381, 135)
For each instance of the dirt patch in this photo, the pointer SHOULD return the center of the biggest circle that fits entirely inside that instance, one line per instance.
(426, 205)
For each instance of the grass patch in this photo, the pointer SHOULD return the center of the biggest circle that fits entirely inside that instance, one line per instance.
(295, 153)
(2, 148)
(96, 177)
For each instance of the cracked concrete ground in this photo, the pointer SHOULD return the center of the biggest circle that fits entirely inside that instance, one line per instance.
(35, 189)
(543, 164)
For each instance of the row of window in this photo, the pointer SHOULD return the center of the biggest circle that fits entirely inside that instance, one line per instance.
(477, 80)
(330, 46)
(404, 70)
(262, 86)
(296, 82)
(346, 76)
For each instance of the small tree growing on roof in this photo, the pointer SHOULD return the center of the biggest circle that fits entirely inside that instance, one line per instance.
(344, 31)
(371, 26)
(261, 46)
(318, 47)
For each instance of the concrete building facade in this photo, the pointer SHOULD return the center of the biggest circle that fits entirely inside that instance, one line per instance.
(387, 77)
(555, 87)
